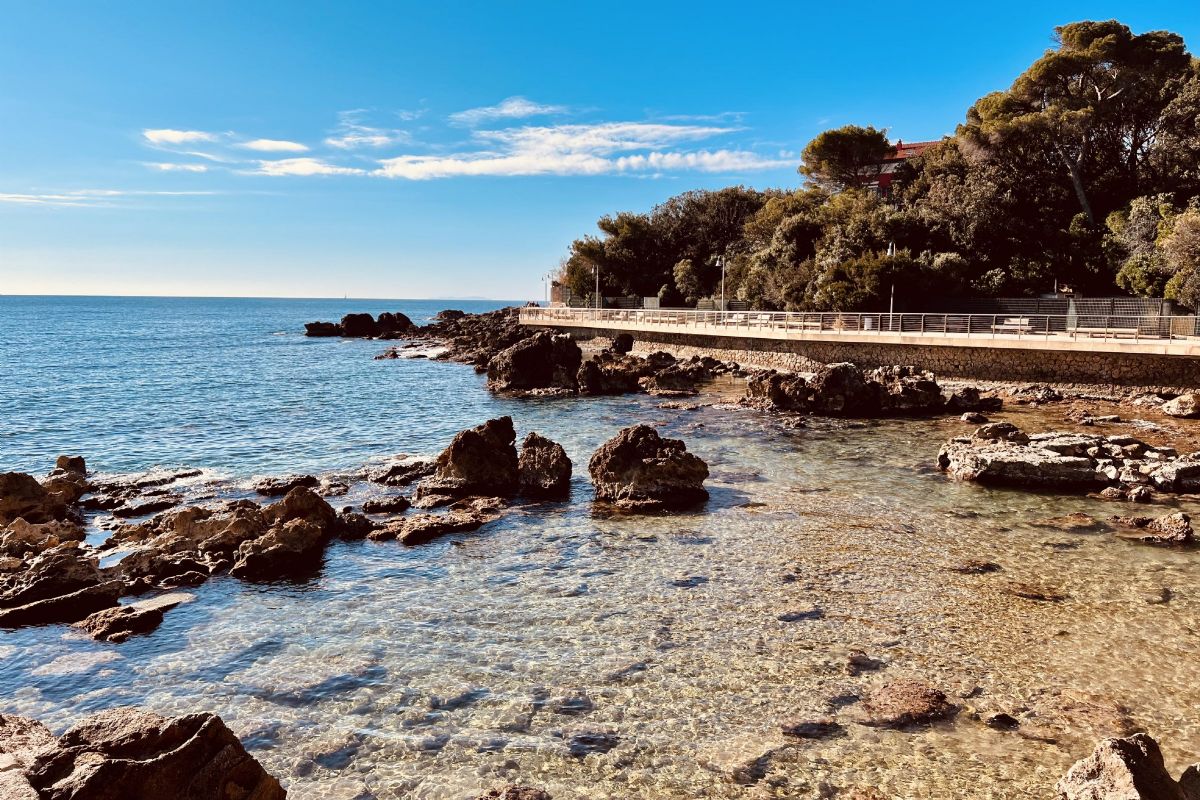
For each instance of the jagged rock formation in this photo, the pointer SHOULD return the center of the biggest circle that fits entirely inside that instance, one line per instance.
(639, 470)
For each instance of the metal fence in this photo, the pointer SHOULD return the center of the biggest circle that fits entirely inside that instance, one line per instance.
(794, 324)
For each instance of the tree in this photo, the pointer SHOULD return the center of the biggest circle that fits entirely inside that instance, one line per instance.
(1093, 106)
(846, 157)
(1182, 251)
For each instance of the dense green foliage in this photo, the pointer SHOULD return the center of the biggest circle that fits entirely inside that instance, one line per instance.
(1086, 171)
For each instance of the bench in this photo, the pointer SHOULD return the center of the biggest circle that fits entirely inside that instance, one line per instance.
(1111, 333)
(1013, 325)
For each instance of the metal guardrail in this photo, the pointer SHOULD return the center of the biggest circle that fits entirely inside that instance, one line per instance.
(794, 324)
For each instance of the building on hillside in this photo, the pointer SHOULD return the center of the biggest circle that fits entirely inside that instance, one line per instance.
(881, 177)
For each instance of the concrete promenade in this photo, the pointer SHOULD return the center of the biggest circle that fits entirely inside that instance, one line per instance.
(1162, 352)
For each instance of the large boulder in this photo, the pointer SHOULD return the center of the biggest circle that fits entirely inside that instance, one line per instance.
(21, 496)
(479, 461)
(777, 391)
(129, 754)
(543, 361)
(359, 325)
(393, 325)
(638, 469)
(1186, 406)
(842, 390)
(908, 391)
(302, 523)
(544, 468)
(612, 372)
(1131, 768)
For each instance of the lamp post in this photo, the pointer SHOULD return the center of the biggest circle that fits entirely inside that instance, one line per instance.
(721, 264)
(596, 273)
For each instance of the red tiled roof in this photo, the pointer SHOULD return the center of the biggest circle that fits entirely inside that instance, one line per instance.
(906, 150)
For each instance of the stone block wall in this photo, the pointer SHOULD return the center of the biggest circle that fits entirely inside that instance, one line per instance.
(1107, 371)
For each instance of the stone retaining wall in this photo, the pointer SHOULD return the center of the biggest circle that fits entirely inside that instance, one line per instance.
(1103, 371)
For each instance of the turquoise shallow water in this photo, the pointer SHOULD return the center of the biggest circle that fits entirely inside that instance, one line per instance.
(437, 671)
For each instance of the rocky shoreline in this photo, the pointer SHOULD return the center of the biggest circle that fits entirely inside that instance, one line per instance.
(161, 543)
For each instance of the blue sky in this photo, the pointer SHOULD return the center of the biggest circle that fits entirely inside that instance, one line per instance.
(442, 149)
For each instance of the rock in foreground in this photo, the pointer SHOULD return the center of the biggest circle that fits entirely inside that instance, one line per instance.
(129, 754)
(639, 470)
(1127, 769)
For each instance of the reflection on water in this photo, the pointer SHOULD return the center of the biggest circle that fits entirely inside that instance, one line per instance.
(435, 671)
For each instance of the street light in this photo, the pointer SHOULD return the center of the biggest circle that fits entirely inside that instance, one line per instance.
(721, 264)
(596, 273)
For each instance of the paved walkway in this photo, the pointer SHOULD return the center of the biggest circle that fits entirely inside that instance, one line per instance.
(1148, 335)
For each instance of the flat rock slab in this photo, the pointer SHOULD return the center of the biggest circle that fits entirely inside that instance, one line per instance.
(67, 608)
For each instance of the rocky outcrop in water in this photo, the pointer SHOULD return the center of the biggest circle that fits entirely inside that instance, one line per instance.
(544, 361)
(130, 754)
(639, 470)
(479, 461)
(544, 470)
(364, 326)
(1001, 454)
(844, 390)
(23, 497)
(1129, 768)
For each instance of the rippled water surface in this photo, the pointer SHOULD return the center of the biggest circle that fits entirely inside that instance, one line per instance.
(436, 671)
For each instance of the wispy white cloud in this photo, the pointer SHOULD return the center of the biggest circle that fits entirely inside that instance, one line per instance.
(604, 148)
(161, 136)
(168, 166)
(89, 197)
(274, 146)
(303, 166)
(352, 133)
(510, 108)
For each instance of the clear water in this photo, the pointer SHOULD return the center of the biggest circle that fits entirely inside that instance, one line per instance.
(437, 671)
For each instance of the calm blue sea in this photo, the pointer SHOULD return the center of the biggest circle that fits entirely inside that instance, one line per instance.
(230, 385)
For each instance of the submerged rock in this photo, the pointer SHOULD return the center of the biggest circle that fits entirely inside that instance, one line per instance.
(513, 792)
(544, 468)
(904, 703)
(1172, 529)
(129, 754)
(639, 470)
(1130, 768)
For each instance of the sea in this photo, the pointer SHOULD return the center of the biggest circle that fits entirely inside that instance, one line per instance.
(593, 654)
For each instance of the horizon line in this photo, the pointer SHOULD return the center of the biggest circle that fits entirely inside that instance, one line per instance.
(261, 297)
